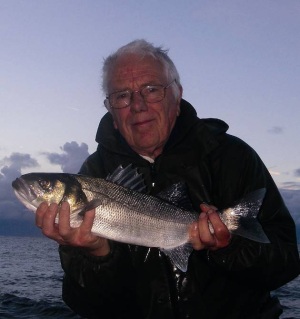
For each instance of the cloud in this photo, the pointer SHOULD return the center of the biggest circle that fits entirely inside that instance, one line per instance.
(276, 130)
(297, 172)
(292, 201)
(16, 161)
(289, 186)
(11, 209)
(272, 172)
(72, 157)
(11, 169)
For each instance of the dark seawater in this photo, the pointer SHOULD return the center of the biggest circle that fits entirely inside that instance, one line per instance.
(31, 279)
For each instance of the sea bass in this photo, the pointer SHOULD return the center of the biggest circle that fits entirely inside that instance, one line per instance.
(125, 214)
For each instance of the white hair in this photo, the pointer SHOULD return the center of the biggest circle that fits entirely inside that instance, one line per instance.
(143, 48)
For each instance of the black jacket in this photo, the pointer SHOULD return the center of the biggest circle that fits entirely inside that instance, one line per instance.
(234, 282)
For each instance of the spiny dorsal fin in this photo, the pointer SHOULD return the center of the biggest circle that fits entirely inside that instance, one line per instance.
(127, 177)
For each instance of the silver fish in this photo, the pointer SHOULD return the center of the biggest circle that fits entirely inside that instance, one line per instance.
(125, 214)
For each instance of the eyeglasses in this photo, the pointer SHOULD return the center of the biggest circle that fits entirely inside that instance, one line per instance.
(150, 94)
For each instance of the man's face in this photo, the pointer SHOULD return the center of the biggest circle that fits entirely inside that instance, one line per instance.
(145, 126)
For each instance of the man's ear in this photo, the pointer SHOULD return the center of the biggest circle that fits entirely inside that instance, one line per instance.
(110, 110)
(179, 97)
(180, 89)
(106, 104)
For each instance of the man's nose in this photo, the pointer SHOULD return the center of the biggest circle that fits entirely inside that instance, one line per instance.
(137, 102)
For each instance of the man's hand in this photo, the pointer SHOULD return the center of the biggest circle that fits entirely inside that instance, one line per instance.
(66, 235)
(200, 235)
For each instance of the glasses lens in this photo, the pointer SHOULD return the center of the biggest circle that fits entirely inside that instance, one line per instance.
(119, 99)
(150, 94)
(153, 93)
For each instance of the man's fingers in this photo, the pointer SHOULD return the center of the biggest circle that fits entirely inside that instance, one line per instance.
(205, 234)
(205, 207)
(221, 232)
(88, 220)
(194, 238)
(49, 220)
(220, 229)
(39, 214)
(61, 231)
(209, 232)
(64, 219)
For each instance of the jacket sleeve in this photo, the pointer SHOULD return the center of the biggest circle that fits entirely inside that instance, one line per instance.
(267, 265)
(93, 286)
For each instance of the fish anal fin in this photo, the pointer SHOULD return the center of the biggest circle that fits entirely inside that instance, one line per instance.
(179, 256)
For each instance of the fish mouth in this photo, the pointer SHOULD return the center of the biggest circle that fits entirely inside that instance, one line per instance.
(22, 190)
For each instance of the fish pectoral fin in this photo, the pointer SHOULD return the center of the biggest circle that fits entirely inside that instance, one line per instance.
(90, 205)
(179, 256)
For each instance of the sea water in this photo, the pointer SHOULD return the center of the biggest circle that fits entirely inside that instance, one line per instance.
(31, 280)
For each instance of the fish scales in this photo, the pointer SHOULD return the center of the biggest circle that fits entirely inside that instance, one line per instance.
(128, 216)
(125, 196)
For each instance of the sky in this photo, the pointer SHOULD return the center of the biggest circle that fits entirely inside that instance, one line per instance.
(238, 60)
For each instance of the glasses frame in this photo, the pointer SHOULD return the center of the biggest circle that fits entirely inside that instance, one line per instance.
(107, 99)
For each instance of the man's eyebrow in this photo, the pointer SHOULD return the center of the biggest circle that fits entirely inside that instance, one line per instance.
(141, 86)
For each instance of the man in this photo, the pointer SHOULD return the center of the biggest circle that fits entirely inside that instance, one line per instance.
(152, 127)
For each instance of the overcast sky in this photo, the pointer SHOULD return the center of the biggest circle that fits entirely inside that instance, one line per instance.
(239, 61)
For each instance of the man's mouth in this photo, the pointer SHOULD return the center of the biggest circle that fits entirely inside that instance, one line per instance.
(141, 123)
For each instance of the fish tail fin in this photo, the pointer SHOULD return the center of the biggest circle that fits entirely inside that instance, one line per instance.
(247, 223)
(179, 256)
(253, 230)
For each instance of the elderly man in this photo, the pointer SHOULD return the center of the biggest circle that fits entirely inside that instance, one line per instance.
(149, 125)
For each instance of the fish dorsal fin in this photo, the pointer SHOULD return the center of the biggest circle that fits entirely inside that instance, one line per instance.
(127, 177)
(177, 194)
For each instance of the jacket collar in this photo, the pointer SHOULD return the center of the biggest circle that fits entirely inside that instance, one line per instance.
(208, 130)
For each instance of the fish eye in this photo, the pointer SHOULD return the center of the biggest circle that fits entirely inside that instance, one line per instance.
(46, 185)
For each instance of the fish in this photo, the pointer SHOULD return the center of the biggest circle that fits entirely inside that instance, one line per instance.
(126, 213)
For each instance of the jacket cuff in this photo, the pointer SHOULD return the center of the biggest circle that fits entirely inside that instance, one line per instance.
(99, 259)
